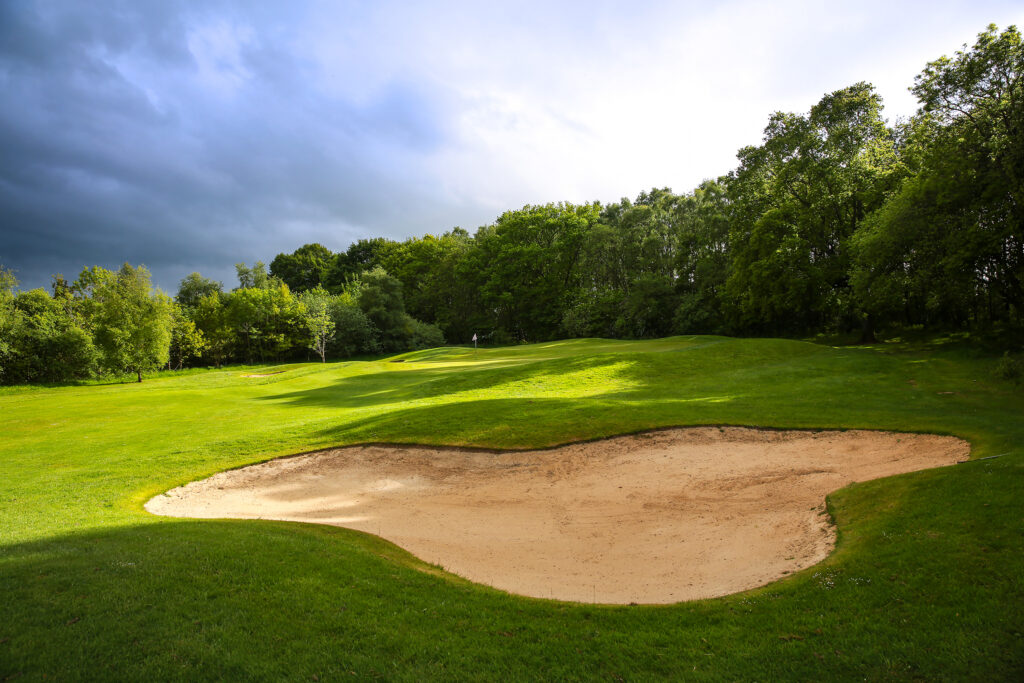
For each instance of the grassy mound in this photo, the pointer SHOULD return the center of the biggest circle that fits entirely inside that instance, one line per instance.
(925, 582)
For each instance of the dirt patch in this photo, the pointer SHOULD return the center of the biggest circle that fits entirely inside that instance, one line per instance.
(265, 374)
(658, 517)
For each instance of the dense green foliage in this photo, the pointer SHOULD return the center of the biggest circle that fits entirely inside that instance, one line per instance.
(103, 322)
(132, 324)
(39, 340)
(109, 324)
(264, 320)
(948, 245)
(924, 584)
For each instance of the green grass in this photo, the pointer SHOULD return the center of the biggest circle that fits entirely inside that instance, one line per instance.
(926, 581)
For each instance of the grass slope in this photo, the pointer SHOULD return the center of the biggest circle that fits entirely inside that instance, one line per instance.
(925, 583)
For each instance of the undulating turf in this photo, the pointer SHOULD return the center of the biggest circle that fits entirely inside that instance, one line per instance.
(926, 582)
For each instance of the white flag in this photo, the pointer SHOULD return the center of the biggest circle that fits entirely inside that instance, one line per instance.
(474, 336)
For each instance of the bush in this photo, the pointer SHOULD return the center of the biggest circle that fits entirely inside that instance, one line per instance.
(424, 335)
(594, 314)
(43, 343)
(353, 331)
(1010, 368)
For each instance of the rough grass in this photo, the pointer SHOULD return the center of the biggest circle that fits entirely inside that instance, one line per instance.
(925, 582)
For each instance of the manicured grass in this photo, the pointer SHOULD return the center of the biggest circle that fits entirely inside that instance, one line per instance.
(925, 583)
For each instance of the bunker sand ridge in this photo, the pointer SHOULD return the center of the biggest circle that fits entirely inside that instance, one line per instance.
(657, 517)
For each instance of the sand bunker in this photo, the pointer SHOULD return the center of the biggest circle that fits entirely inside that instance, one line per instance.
(658, 517)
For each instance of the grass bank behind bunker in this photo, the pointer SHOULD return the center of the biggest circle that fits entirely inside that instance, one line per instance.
(924, 582)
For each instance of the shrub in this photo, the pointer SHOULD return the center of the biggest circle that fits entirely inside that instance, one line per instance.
(424, 335)
(1010, 368)
(353, 331)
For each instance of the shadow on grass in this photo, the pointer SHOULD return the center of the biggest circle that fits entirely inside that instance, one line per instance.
(402, 384)
(219, 599)
(518, 406)
(245, 599)
(627, 374)
(922, 580)
(536, 422)
(464, 372)
(604, 394)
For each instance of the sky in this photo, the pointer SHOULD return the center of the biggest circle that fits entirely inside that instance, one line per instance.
(190, 136)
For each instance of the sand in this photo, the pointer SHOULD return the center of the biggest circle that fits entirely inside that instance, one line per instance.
(659, 517)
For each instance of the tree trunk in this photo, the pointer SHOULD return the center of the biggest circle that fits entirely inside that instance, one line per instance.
(140, 374)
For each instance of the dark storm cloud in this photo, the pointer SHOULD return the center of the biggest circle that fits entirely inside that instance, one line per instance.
(190, 137)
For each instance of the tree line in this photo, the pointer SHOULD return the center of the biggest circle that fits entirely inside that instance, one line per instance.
(113, 323)
(838, 221)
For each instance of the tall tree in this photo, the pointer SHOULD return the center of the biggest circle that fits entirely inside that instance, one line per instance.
(187, 341)
(43, 343)
(194, 287)
(527, 263)
(353, 331)
(133, 322)
(947, 249)
(361, 256)
(303, 269)
(267, 321)
(702, 259)
(431, 287)
(318, 319)
(255, 277)
(40, 338)
(9, 316)
(210, 316)
(380, 298)
(797, 199)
